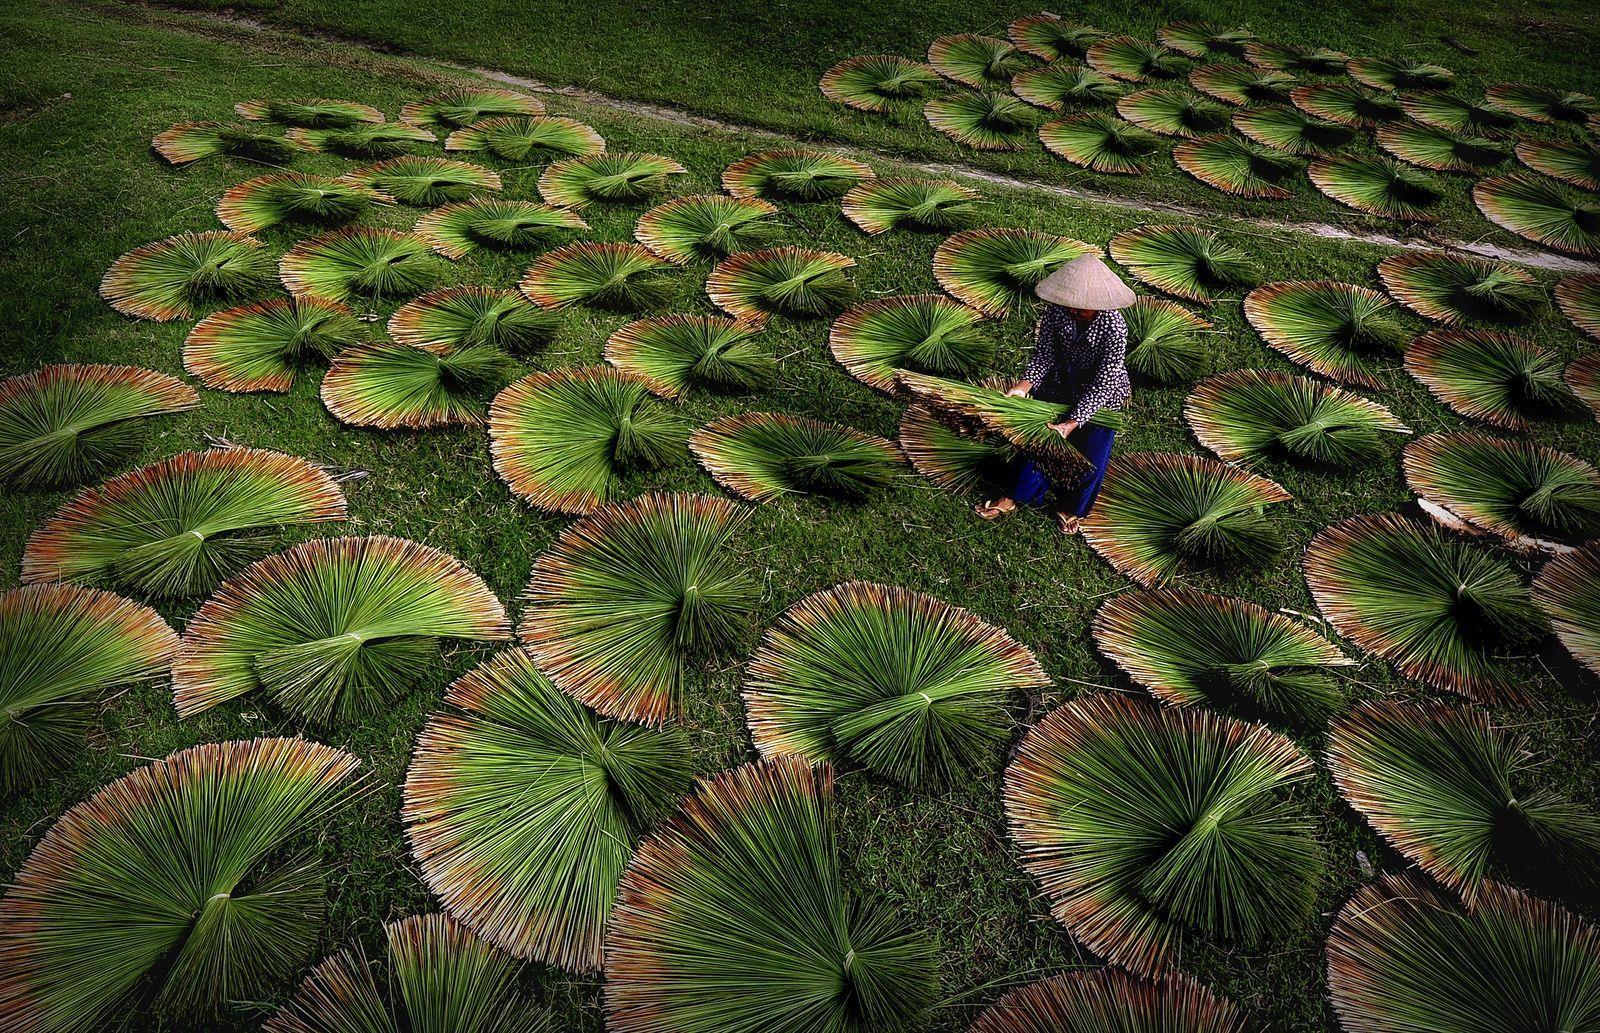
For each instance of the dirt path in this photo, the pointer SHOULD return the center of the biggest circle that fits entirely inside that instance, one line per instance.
(1535, 258)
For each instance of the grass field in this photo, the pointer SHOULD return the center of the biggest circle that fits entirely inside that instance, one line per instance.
(84, 88)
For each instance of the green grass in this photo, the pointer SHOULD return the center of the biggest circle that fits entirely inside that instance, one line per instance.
(757, 63)
(82, 91)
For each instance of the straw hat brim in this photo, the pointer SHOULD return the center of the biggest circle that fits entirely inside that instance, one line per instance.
(1086, 283)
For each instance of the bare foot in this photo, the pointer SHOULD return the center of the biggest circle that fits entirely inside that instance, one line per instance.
(1068, 523)
(996, 509)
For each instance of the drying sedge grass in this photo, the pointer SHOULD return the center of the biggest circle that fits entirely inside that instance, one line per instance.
(1582, 377)
(928, 333)
(1394, 75)
(762, 457)
(1189, 262)
(1541, 210)
(1378, 185)
(1194, 649)
(1440, 150)
(187, 142)
(1447, 611)
(800, 283)
(1338, 330)
(875, 82)
(1578, 297)
(178, 527)
(1214, 846)
(1161, 514)
(958, 460)
(1049, 37)
(706, 226)
(358, 263)
(309, 114)
(621, 277)
(1453, 289)
(1568, 591)
(390, 386)
(793, 175)
(985, 121)
(1202, 39)
(981, 62)
(1172, 111)
(1455, 114)
(1058, 87)
(620, 177)
(446, 112)
(460, 228)
(293, 198)
(461, 317)
(1513, 488)
(425, 182)
(1110, 1001)
(1292, 131)
(1502, 379)
(628, 596)
(363, 140)
(63, 648)
(934, 205)
(331, 629)
(1238, 84)
(995, 270)
(1304, 61)
(674, 354)
(166, 280)
(901, 683)
(61, 425)
(528, 138)
(564, 440)
(1347, 104)
(1134, 60)
(262, 346)
(1250, 415)
(1237, 167)
(1547, 105)
(1101, 142)
(522, 807)
(1575, 163)
(1163, 342)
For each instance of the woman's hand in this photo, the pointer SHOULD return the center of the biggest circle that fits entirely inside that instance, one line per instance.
(1019, 390)
(1065, 428)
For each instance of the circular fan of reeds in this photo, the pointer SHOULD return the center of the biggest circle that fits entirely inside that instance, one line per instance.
(985, 121)
(1452, 114)
(522, 808)
(1049, 37)
(1511, 487)
(535, 138)
(710, 226)
(1142, 823)
(1026, 423)
(1252, 414)
(1162, 342)
(765, 456)
(1172, 111)
(630, 595)
(1238, 84)
(1134, 60)
(364, 140)
(331, 629)
(1238, 167)
(186, 142)
(263, 345)
(457, 229)
(898, 682)
(295, 198)
(621, 277)
(1541, 210)
(1501, 379)
(1292, 131)
(358, 263)
(1194, 649)
(1163, 513)
(995, 270)
(1444, 610)
(1544, 104)
(1378, 186)
(982, 62)
(61, 649)
(1284, 58)
(181, 872)
(1101, 142)
(178, 527)
(439, 974)
(959, 460)
(617, 177)
(874, 82)
(426, 182)
(797, 282)
(1574, 163)
(460, 317)
(309, 114)
(1060, 86)
(935, 205)
(1429, 147)
(1578, 297)
(677, 353)
(1454, 288)
(1185, 261)
(1404, 957)
(564, 440)
(446, 112)
(1110, 1001)
(1394, 75)
(1582, 378)
(1347, 104)
(1202, 39)
(61, 425)
(736, 914)
(165, 280)
(1568, 591)
(929, 333)
(794, 175)
(1461, 796)
(1335, 329)
(391, 386)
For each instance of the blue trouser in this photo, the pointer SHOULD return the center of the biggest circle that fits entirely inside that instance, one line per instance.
(1032, 485)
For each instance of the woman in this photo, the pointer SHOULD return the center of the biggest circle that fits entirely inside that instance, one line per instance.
(1079, 361)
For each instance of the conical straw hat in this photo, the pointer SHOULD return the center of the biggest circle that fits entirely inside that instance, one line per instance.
(1085, 282)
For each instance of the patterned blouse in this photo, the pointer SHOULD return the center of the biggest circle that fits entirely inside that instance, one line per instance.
(1083, 366)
